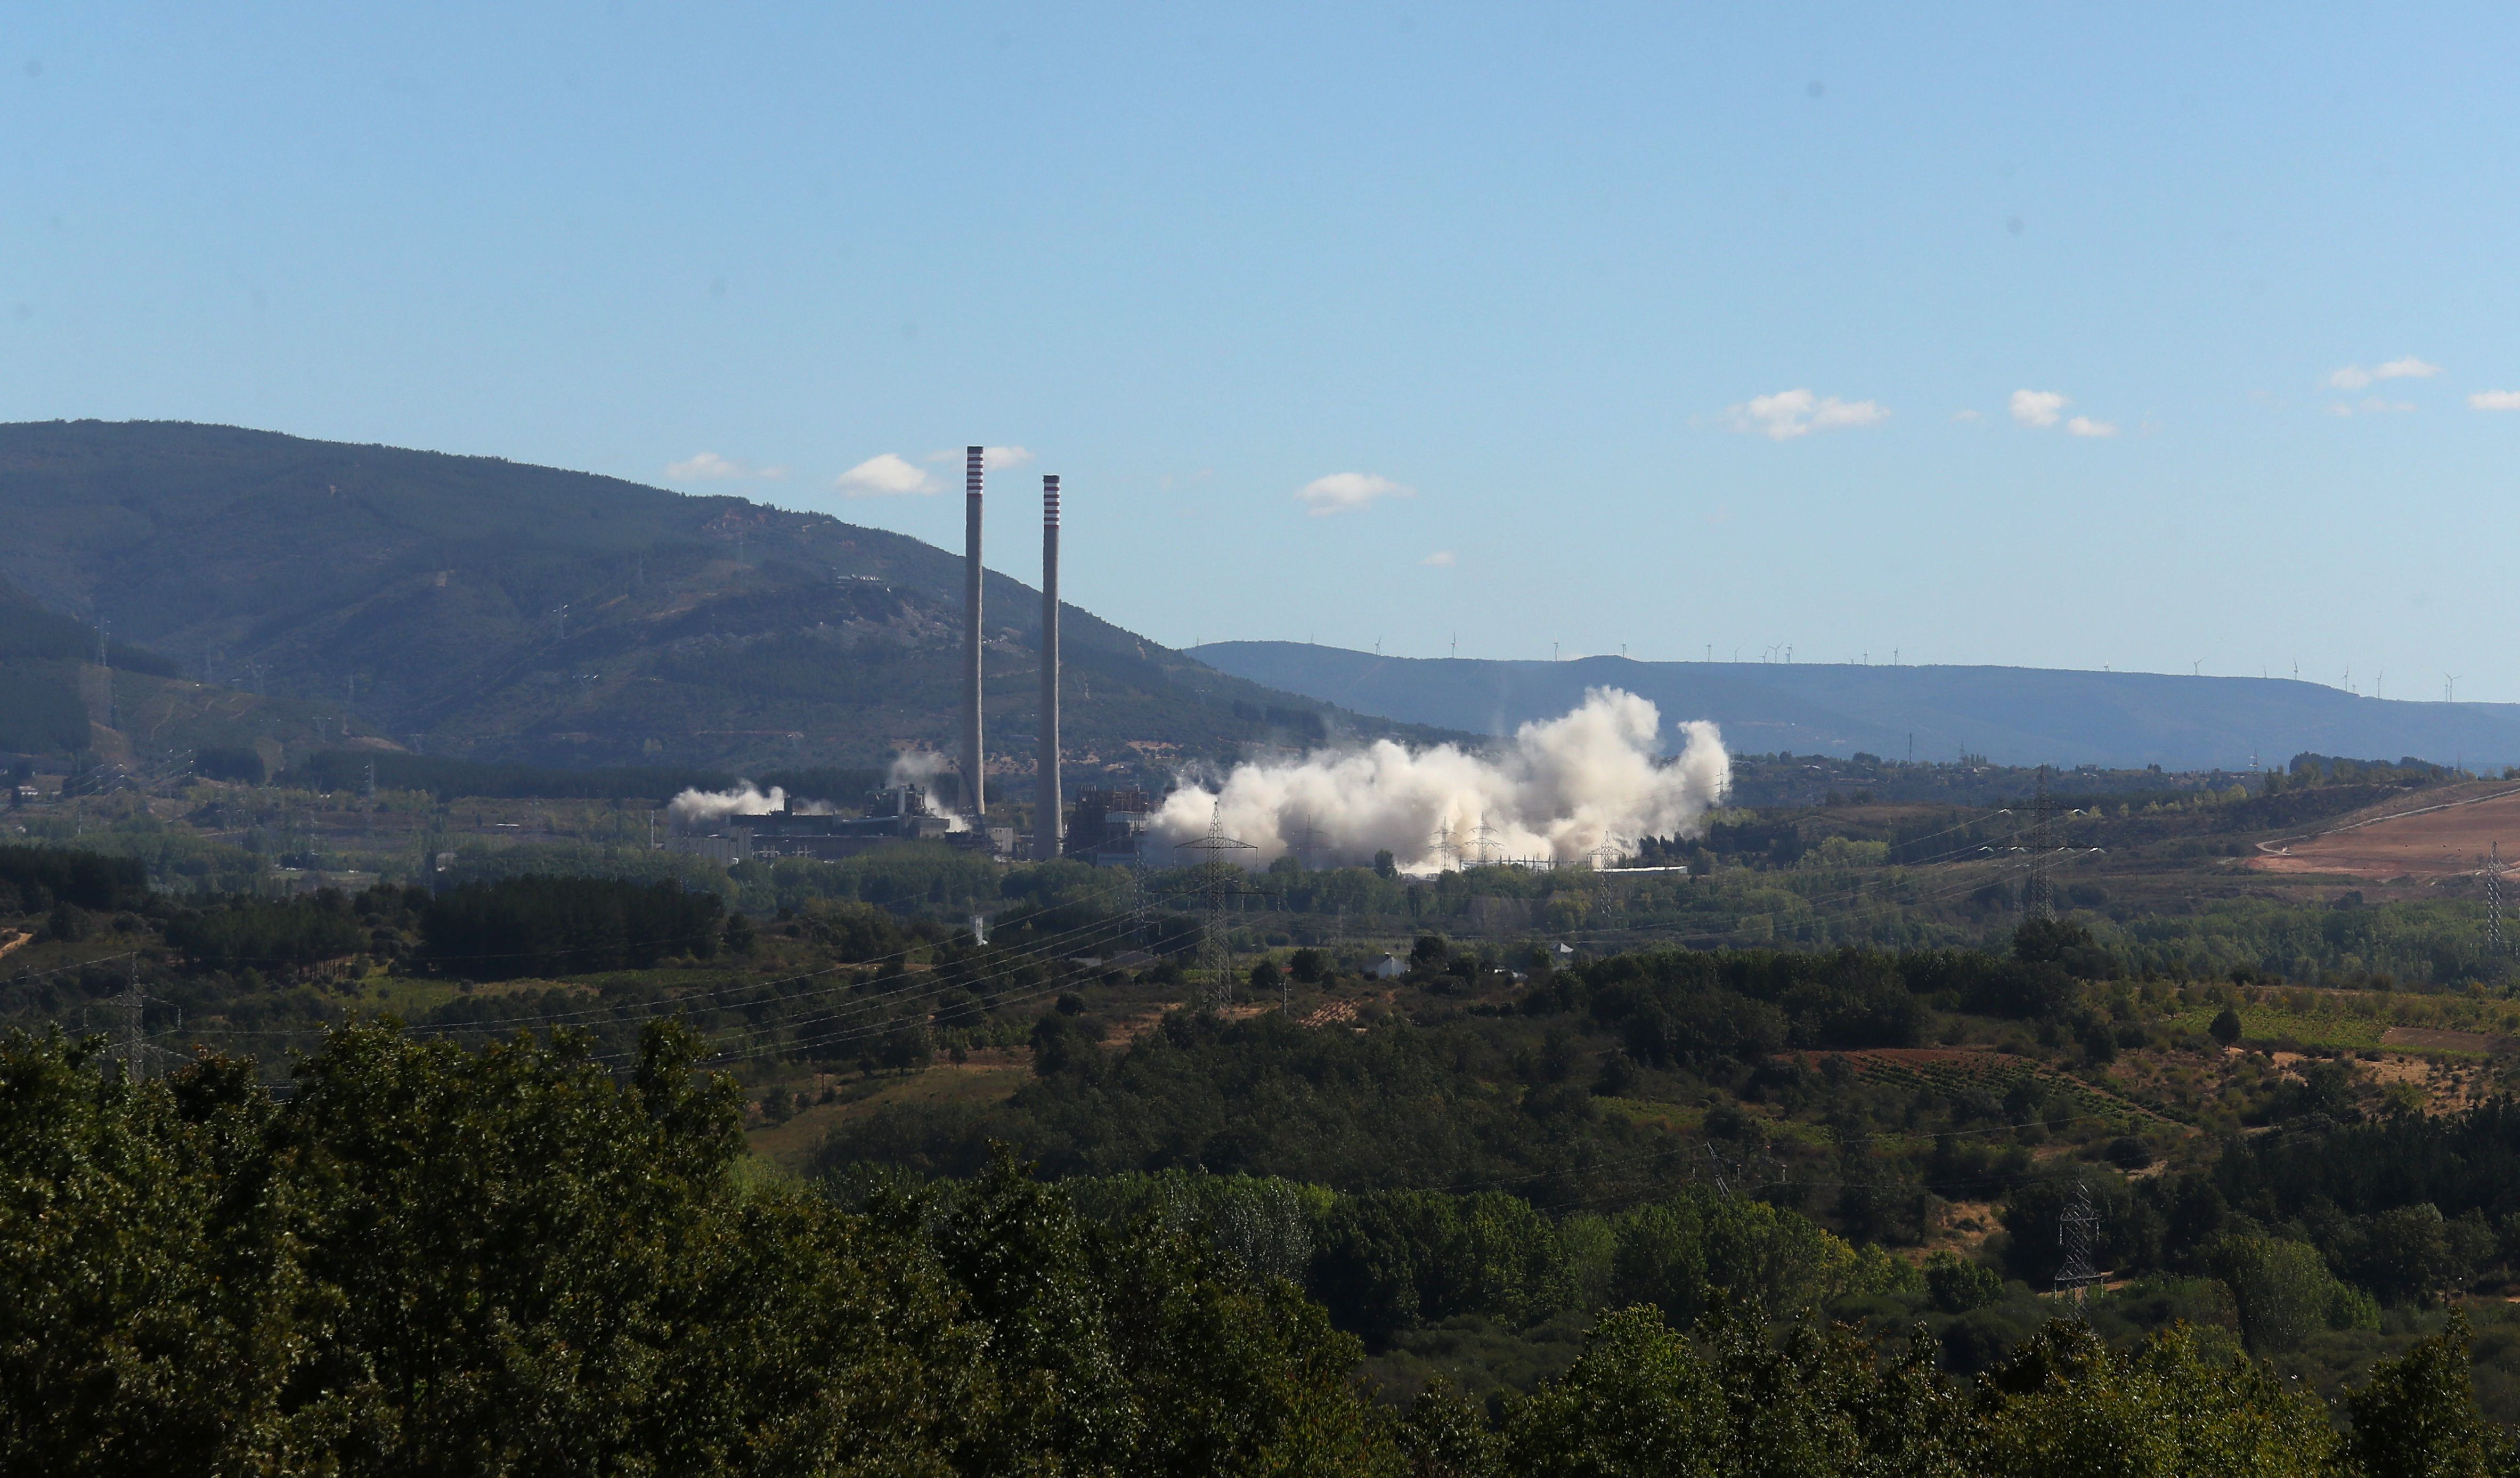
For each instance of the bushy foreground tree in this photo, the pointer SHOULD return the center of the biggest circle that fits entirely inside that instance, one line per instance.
(1735, 1402)
(429, 1260)
(433, 1261)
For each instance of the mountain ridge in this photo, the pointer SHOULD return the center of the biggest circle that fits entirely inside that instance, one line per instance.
(2011, 715)
(503, 612)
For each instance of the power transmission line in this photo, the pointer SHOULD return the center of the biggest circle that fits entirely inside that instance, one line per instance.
(1215, 948)
(2078, 1228)
(2492, 869)
(2038, 899)
(133, 1050)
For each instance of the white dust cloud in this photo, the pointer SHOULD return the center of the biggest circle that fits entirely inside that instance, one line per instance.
(917, 766)
(1566, 787)
(706, 808)
(920, 768)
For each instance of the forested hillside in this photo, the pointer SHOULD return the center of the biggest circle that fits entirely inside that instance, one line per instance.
(500, 612)
(427, 1260)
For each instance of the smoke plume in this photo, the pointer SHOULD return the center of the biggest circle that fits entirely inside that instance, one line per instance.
(706, 808)
(695, 807)
(1566, 787)
(920, 768)
(917, 766)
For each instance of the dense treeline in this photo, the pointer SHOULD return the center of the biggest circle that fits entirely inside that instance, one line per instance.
(1392, 1260)
(239, 763)
(1644, 1399)
(2312, 769)
(1469, 1098)
(1395, 1106)
(269, 934)
(40, 708)
(34, 878)
(2315, 1225)
(29, 632)
(433, 1261)
(2461, 1163)
(496, 930)
(1692, 1005)
(538, 925)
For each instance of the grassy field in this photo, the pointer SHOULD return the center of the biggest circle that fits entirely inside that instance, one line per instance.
(790, 1146)
(2333, 1030)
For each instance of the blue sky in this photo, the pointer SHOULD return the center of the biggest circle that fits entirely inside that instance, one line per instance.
(1671, 329)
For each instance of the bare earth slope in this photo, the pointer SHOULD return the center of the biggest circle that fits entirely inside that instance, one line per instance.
(2446, 834)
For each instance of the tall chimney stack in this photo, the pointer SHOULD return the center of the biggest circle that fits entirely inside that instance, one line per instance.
(1050, 818)
(976, 795)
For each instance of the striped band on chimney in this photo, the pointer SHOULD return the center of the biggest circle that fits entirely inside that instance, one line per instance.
(975, 767)
(1049, 824)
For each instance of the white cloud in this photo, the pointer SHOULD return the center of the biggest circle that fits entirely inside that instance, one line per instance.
(883, 477)
(1441, 559)
(1965, 416)
(2040, 409)
(709, 467)
(2037, 407)
(2496, 400)
(1789, 414)
(2354, 376)
(705, 466)
(993, 459)
(1343, 492)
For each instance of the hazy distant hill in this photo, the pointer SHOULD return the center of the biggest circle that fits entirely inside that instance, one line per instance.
(2013, 715)
(511, 613)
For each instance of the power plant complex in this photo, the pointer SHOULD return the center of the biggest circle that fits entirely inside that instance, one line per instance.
(1573, 792)
(1110, 822)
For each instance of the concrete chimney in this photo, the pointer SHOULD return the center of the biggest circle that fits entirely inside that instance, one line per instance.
(1050, 818)
(976, 795)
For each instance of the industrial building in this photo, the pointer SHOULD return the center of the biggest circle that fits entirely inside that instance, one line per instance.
(1109, 828)
(900, 813)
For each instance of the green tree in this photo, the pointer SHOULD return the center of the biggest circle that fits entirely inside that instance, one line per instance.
(147, 1315)
(1640, 1402)
(2226, 1026)
(2284, 1292)
(1445, 1436)
(433, 1261)
(1957, 1284)
(1644, 1400)
(2068, 1407)
(2416, 1417)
